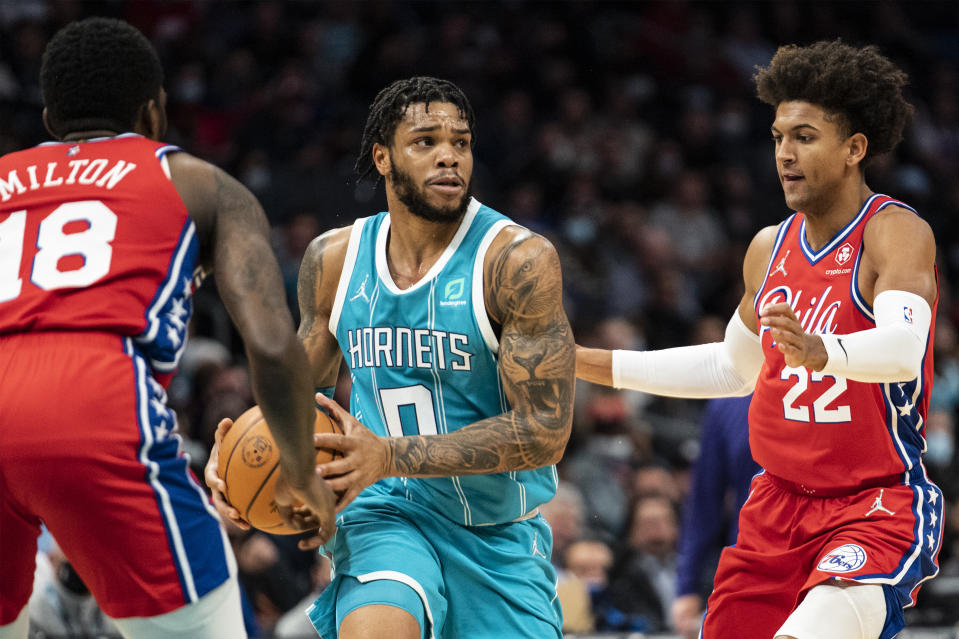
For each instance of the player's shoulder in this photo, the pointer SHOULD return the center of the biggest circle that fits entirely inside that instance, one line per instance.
(761, 246)
(515, 243)
(897, 217)
(894, 224)
(326, 252)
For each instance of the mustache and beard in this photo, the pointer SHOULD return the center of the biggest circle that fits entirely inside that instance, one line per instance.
(414, 198)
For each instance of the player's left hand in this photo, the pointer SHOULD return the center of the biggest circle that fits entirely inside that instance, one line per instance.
(218, 486)
(798, 347)
(366, 456)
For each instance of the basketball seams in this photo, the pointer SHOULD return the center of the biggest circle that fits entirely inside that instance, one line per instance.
(253, 494)
(256, 494)
(236, 444)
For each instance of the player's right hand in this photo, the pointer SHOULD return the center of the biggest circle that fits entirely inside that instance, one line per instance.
(307, 507)
(217, 485)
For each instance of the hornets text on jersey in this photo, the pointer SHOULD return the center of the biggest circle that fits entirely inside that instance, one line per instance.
(424, 361)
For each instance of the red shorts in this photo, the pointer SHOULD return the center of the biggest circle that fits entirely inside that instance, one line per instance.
(87, 448)
(790, 542)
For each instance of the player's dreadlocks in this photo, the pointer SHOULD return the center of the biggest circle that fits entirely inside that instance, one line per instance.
(96, 74)
(859, 86)
(390, 106)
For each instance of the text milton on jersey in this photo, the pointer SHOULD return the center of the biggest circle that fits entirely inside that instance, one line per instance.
(75, 172)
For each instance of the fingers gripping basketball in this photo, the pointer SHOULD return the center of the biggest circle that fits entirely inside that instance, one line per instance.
(249, 464)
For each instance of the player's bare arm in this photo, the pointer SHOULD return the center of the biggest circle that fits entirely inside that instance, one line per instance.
(885, 267)
(523, 288)
(888, 265)
(316, 289)
(234, 238)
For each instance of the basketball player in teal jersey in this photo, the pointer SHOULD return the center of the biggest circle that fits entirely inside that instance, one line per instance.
(450, 319)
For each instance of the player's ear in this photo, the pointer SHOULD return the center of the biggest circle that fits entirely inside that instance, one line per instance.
(151, 118)
(47, 125)
(381, 159)
(858, 144)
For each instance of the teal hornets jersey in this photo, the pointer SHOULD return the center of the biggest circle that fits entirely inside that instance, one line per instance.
(423, 361)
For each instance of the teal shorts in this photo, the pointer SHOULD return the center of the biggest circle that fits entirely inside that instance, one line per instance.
(458, 582)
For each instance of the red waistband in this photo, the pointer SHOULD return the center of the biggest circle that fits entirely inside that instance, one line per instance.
(839, 491)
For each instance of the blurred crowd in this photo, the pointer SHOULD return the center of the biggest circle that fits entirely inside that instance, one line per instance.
(628, 133)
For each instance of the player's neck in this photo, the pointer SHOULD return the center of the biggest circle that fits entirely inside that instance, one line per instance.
(414, 244)
(823, 223)
(82, 136)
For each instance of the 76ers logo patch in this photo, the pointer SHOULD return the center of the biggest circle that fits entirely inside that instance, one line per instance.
(844, 253)
(845, 558)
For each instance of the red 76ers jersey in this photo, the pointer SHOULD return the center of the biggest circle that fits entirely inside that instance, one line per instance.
(824, 431)
(94, 237)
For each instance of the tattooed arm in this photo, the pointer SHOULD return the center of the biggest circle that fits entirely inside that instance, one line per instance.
(523, 290)
(316, 288)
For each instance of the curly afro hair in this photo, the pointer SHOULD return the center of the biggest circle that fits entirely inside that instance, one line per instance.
(390, 107)
(859, 86)
(96, 74)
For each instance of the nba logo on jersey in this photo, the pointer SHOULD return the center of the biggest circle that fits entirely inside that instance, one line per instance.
(845, 558)
(907, 314)
(843, 253)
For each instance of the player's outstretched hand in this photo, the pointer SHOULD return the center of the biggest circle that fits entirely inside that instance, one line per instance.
(306, 507)
(217, 485)
(365, 460)
(798, 347)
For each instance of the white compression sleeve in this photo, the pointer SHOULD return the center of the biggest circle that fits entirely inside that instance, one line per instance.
(719, 369)
(891, 352)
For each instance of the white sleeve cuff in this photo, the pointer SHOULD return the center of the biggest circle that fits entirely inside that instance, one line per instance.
(893, 351)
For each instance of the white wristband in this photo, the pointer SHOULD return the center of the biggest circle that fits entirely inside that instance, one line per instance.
(891, 352)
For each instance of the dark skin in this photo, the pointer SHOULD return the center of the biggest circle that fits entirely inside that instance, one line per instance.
(523, 292)
(233, 236)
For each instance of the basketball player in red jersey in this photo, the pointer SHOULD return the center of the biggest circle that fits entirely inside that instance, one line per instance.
(834, 332)
(104, 235)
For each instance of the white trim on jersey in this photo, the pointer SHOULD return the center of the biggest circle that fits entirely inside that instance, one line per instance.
(383, 269)
(854, 291)
(161, 154)
(780, 236)
(153, 471)
(153, 324)
(920, 528)
(815, 256)
(165, 165)
(348, 264)
(393, 575)
(479, 300)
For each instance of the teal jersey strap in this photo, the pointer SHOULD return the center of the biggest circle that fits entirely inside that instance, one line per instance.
(328, 391)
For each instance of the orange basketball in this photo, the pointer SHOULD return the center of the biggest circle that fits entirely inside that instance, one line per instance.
(249, 463)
